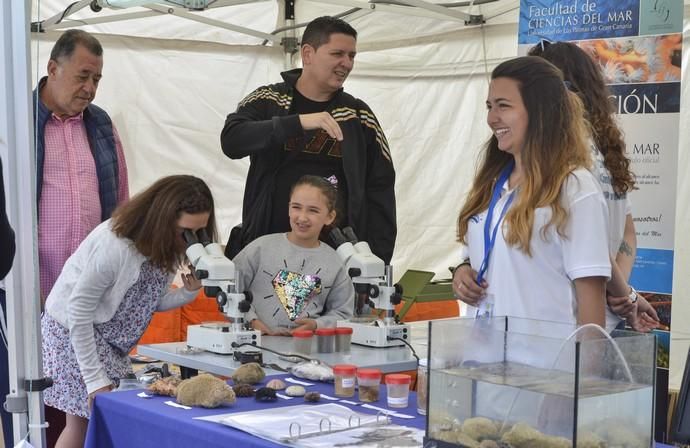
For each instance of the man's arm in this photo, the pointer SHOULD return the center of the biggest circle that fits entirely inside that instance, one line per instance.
(253, 128)
(123, 178)
(380, 189)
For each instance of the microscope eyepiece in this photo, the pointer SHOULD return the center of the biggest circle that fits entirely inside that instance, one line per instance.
(189, 237)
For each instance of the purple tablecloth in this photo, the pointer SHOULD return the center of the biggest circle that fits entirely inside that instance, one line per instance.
(121, 419)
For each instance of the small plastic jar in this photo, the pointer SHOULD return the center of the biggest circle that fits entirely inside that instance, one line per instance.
(398, 390)
(302, 341)
(422, 382)
(368, 381)
(325, 340)
(344, 378)
(343, 339)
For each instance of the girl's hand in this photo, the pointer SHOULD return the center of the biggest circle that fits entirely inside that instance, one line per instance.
(191, 283)
(305, 324)
(93, 394)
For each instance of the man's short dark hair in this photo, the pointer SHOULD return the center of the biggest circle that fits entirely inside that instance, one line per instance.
(67, 43)
(319, 30)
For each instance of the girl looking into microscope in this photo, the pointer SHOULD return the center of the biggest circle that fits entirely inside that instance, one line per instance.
(109, 289)
(297, 281)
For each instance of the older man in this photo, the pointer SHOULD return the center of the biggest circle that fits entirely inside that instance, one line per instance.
(81, 172)
(309, 125)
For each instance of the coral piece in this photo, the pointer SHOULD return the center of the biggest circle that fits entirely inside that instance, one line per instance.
(295, 391)
(480, 428)
(312, 397)
(488, 444)
(243, 390)
(165, 386)
(522, 435)
(266, 395)
(204, 390)
(250, 373)
(313, 370)
(276, 384)
(465, 441)
(590, 440)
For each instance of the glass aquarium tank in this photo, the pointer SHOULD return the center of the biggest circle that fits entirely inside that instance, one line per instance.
(520, 383)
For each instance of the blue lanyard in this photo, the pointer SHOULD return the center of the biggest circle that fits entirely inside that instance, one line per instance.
(490, 234)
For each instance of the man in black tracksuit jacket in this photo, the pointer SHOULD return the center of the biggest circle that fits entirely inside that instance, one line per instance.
(309, 125)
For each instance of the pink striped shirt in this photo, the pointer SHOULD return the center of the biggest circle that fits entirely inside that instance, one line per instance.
(70, 206)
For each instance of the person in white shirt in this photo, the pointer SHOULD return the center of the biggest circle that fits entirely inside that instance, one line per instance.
(611, 168)
(109, 289)
(535, 223)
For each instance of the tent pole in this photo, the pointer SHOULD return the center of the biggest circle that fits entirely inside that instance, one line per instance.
(289, 42)
(23, 299)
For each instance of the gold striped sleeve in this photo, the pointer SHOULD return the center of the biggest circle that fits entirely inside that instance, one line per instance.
(282, 100)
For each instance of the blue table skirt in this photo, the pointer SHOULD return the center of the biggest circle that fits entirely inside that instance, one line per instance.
(121, 419)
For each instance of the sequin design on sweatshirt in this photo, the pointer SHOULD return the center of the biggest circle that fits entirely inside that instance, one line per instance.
(295, 291)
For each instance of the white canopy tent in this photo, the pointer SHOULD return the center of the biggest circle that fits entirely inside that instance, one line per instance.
(170, 81)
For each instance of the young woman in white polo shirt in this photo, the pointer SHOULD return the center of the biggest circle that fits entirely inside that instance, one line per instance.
(535, 223)
(611, 168)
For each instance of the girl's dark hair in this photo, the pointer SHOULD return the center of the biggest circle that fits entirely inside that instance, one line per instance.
(585, 79)
(150, 218)
(329, 191)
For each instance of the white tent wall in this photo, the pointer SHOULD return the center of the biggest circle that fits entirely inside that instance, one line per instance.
(426, 81)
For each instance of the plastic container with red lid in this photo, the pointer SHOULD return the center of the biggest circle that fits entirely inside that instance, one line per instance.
(343, 339)
(325, 340)
(368, 381)
(398, 390)
(302, 341)
(344, 379)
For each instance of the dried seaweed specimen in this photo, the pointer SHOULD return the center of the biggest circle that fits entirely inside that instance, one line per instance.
(165, 386)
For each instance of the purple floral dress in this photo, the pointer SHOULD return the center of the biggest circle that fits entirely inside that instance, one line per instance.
(114, 340)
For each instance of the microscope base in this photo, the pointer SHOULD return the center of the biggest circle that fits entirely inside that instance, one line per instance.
(371, 335)
(219, 339)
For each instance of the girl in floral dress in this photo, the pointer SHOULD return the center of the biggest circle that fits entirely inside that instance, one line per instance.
(109, 289)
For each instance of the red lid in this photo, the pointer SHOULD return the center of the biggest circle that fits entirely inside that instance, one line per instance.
(343, 330)
(369, 374)
(325, 331)
(344, 369)
(302, 334)
(398, 378)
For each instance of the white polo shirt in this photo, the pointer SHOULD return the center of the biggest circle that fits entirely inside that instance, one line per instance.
(541, 286)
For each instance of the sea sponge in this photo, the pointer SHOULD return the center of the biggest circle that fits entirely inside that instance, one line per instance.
(266, 395)
(276, 384)
(312, 397)
(243, 390)
(204, 390)
(165, 386)
(480, 428)
(250, 373)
